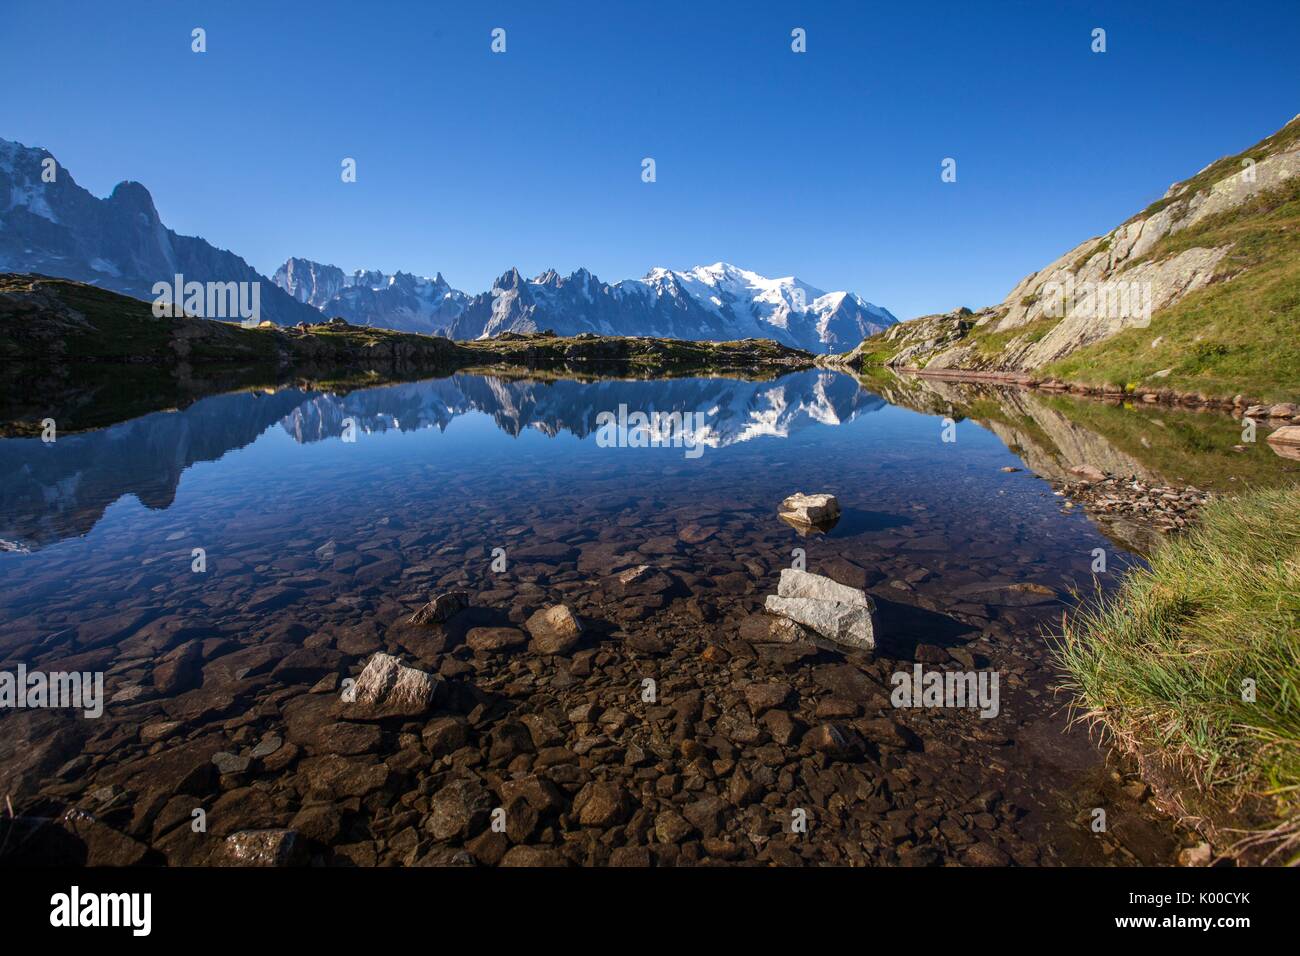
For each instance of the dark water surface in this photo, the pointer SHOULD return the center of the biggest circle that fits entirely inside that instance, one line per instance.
(314, 542)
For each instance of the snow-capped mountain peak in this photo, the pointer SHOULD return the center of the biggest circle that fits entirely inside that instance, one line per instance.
(751, 305)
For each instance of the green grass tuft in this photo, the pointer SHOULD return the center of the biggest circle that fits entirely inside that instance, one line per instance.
(1162, 663)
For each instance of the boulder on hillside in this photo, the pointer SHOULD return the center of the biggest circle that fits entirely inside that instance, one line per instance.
(1090, 473)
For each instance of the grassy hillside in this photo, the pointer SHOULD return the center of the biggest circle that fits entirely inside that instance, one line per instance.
(1239, 334)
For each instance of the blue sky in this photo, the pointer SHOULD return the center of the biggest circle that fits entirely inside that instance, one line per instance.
(824, 164)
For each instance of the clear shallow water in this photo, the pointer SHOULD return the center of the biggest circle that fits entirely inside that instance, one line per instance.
(314, 541)
(444, 471)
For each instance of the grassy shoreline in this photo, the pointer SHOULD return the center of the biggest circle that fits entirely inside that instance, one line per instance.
(1164, 664)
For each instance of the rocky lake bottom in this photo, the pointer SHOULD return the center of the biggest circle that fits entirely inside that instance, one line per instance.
(230, 566)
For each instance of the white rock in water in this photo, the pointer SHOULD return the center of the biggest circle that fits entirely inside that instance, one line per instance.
(810, 509)
(388, 688)
(555, 629)
(818, 587)
(848, 624)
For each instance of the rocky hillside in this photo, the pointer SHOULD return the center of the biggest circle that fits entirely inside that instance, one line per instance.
(48, 323)
(1195, 294)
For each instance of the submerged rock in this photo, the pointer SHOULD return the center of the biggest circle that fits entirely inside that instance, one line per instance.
(782, 630)
(460, 809)
(277, 847)
(1022, 594)
(388, 688)
(493, 640)
(227, 762)
(103, 845)
(835, 611)
(810, 512)
(555, 630)
(442, 607)
(180, 669)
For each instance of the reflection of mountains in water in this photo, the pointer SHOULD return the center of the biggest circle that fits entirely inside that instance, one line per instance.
(1045, 438)
(735, 411)
(1055, 434)
(52, 491)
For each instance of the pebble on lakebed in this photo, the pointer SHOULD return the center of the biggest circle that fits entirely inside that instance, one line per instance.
(441, 608)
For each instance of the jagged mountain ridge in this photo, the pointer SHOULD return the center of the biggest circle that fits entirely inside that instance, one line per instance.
(401, 301)
(119, 243)
(717, 302)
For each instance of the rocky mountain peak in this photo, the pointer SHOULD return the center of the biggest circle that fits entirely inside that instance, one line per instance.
(511, 279)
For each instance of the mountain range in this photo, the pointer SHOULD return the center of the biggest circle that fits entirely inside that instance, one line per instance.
(717, 302)
(52, 226)
(401, 301)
